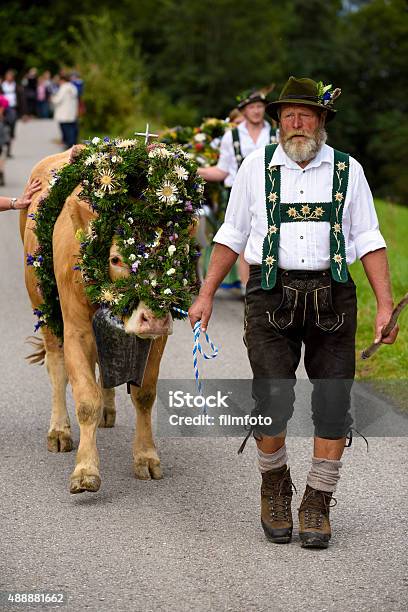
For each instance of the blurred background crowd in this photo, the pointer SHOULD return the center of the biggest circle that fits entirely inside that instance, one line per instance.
(39, 95)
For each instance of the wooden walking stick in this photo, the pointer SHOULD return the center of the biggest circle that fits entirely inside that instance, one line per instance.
(369, 351)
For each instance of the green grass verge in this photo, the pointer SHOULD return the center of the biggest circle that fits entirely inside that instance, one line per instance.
(388, 367)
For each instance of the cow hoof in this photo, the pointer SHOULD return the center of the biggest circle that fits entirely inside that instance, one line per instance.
(59, 442)
(84, 482)
(147, 467)
(108, 418)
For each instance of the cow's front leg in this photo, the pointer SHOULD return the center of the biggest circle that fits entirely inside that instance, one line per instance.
(80, 358)
(145, 457)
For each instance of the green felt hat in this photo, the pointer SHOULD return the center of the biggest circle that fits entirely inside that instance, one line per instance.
(249, 96)
(308, 93)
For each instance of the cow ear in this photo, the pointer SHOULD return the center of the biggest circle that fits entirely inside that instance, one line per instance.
(79, 211)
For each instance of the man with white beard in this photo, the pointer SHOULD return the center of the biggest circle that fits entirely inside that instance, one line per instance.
(301, 211)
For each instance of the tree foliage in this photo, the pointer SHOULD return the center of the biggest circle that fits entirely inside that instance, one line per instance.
(183, 60)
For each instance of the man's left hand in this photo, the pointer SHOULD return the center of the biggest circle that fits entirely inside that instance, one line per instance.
(381, 320)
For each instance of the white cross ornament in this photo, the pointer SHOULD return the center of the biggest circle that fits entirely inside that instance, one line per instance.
(146, 134)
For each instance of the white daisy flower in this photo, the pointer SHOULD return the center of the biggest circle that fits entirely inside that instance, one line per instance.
(167, 193)
(171, 272)
(181, 172)
(132, 257)
(107, 180)
(90, 160)
(130, 241)
(130, 219)
(126, 144)
(172, 249)
(185, 281)
(200, 137)
(160, 151)
(167, 292)
(95, 140)
(154, 283)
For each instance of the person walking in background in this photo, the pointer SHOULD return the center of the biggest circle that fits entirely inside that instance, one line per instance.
(16, 104)
(29, 83)
(250, 134)
(4, 134)
(43, 94)
(65, 103)
(79, 84)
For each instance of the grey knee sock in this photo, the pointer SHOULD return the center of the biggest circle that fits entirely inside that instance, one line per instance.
(272, 461)
(324, 474)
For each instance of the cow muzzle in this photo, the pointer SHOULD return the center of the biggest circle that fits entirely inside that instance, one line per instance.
(145, 324)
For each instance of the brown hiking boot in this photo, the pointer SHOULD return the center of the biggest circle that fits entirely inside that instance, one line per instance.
(314, 523)
(276, 498)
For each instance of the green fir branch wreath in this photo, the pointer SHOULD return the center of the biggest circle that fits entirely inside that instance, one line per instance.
(145, 200)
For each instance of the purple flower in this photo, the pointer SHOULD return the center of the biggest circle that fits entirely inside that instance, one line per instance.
(188, 206)
(106, 139)
(146, 282)
(30, 259)
(135, 266)
(160, 258)
(38, 312)
(40, 258)
(31, 216)
(327, 96)
(76, 268)
(120, 231)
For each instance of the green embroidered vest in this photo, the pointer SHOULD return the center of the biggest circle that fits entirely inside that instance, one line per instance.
(237, 145)
(277, 213)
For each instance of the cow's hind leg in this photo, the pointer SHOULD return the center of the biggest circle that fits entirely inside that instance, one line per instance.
(145, 457)
(108, 415)
(80, 357)
(59, 433)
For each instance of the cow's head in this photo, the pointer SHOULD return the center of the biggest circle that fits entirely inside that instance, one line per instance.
(142, 321)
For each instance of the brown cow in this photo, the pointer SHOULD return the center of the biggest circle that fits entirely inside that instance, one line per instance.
(75, 361)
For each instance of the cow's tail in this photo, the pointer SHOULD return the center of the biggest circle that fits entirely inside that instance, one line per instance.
(38, 356)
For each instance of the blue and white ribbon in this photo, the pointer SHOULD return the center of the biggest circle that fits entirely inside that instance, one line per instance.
(198, 349)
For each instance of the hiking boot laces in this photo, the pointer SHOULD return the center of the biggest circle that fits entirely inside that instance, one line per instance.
(314, 512)
(279, 503)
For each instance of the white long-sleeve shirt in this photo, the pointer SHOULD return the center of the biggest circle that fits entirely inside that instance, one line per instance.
(304, 245)
(227, 160)
(65, 103)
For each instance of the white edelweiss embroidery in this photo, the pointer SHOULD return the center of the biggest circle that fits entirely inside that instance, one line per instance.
(341, 166)
(272, 229)
(305, 209)
(338, 196)
(337, 228)
(272, 197)
(270, 260)
(319, 211)
(338, 258)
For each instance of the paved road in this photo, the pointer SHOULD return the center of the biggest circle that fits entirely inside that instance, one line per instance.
(191, 541)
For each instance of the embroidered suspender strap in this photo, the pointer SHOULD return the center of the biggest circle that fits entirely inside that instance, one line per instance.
(237, 146)
(271, 242)
(338, 264)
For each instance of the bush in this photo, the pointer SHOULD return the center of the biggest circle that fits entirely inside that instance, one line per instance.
(111, 66)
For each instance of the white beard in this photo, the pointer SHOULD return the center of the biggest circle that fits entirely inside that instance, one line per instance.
(304, 151)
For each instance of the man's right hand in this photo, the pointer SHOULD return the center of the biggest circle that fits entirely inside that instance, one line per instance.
(201, 310)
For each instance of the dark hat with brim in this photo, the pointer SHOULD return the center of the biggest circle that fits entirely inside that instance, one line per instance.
(248, 97)
(308, 93)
